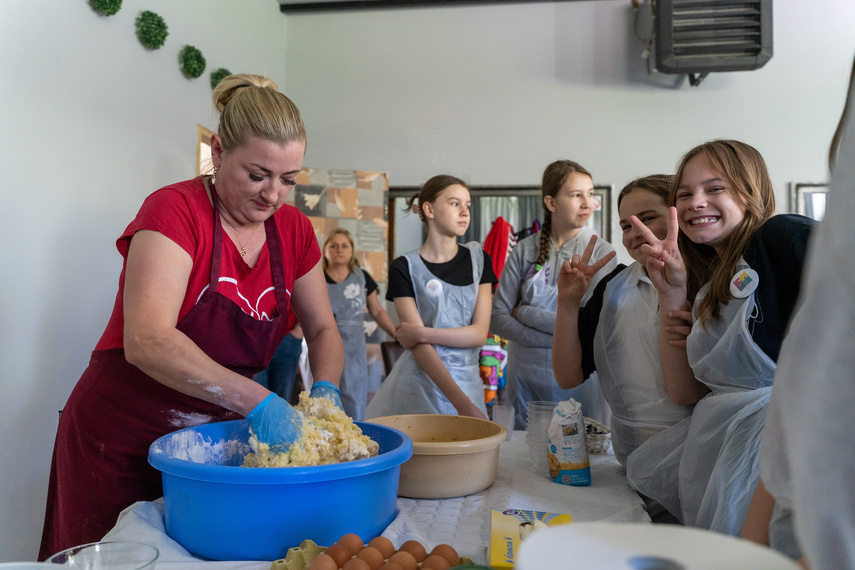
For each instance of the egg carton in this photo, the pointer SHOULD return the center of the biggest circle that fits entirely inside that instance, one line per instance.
(299, 557)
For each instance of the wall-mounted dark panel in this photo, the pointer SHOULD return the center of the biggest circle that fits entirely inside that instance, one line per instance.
(702, 36)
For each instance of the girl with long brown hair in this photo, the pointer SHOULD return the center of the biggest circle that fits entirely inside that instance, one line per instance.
(738, 266)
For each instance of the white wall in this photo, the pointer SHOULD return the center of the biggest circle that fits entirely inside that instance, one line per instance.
(495, 93)
(91, 123)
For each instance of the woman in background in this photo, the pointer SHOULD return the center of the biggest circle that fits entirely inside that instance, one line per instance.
(351, 290)
(442, 293)
(525, 302)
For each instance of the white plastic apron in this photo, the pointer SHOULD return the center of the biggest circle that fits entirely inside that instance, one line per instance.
(529, 368)
(719, 467)
(407, 389)
(626, 353)
(348, 305)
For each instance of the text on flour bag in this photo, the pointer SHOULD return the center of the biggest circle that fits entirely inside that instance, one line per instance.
(566, 447)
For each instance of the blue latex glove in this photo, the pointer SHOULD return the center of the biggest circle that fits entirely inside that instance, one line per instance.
(276, 423)
(324, 389)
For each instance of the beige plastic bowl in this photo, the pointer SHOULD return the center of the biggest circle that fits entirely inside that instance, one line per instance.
(452, 455)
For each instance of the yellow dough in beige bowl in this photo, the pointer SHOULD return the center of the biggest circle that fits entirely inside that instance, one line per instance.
(452, 455)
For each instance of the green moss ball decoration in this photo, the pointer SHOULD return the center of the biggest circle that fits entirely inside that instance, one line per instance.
(106, 7)
(192, 62)
(218, 75)
(151, 30)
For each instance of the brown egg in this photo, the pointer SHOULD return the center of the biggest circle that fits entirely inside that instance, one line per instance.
(352, 542)
(390, 566)
(384, 545)
(322, 562)
(338, 553)
(447, 551)
(435, 562)
(372, 556)
(356, 564)
(405, 560)
(415, 548)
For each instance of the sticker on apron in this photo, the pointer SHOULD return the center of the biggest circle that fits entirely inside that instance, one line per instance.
(743, 283)
(434, 287)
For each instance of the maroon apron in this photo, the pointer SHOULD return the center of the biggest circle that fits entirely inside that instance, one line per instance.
(115, 412)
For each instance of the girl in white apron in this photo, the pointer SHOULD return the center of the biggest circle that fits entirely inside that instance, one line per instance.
(617, 330)
(351, 292)
(444, 322)
(526, 298)
(743, 267)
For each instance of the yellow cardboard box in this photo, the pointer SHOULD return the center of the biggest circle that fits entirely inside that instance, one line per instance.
(508, 528)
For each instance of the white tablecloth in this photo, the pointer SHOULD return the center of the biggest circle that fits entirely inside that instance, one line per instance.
(463, 522)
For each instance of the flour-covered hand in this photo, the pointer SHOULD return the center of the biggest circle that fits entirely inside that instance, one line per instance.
(276, 423)
(324, 389)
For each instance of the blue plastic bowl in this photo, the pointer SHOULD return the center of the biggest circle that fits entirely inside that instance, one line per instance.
(217, 509)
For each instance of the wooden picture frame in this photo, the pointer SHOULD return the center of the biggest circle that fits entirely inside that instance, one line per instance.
(203, 151)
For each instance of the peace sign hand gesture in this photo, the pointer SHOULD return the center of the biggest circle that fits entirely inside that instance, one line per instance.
(576, 274)
(664, 263)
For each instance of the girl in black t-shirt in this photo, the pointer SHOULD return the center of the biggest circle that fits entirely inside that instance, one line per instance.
(442, 294)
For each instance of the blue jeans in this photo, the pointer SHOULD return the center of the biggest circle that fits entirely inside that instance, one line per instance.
(281, 373)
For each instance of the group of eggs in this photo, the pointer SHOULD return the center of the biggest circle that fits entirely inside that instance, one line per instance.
(349, 553)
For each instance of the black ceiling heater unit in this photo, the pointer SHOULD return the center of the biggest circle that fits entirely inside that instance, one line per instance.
(697, 37)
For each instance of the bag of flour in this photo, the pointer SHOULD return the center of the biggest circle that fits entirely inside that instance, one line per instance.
(566, 449)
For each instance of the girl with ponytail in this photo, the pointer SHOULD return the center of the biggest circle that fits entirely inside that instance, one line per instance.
(525, 302)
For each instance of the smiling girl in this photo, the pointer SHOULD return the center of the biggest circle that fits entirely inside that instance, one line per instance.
(525, 302)
(616, 332)
(740, 267)
(442, 294)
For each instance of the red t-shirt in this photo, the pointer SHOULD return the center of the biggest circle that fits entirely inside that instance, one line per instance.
(183, 213)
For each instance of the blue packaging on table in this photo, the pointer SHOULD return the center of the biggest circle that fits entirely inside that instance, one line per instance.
(220, 510)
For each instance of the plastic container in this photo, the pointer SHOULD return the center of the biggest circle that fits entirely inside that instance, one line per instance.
(217, 509)
(452, 455)
(504, 414)
(538, 417)
(112, 555)
(599, 437)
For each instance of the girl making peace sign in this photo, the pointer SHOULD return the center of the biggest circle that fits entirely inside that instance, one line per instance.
(527, 296)
(740, 274)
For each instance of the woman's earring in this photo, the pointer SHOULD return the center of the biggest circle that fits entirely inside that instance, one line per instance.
(214, 177)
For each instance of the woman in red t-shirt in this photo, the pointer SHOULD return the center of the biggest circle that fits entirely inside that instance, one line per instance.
(211, 268)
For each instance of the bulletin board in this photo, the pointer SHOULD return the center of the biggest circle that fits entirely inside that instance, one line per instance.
(355, 200)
